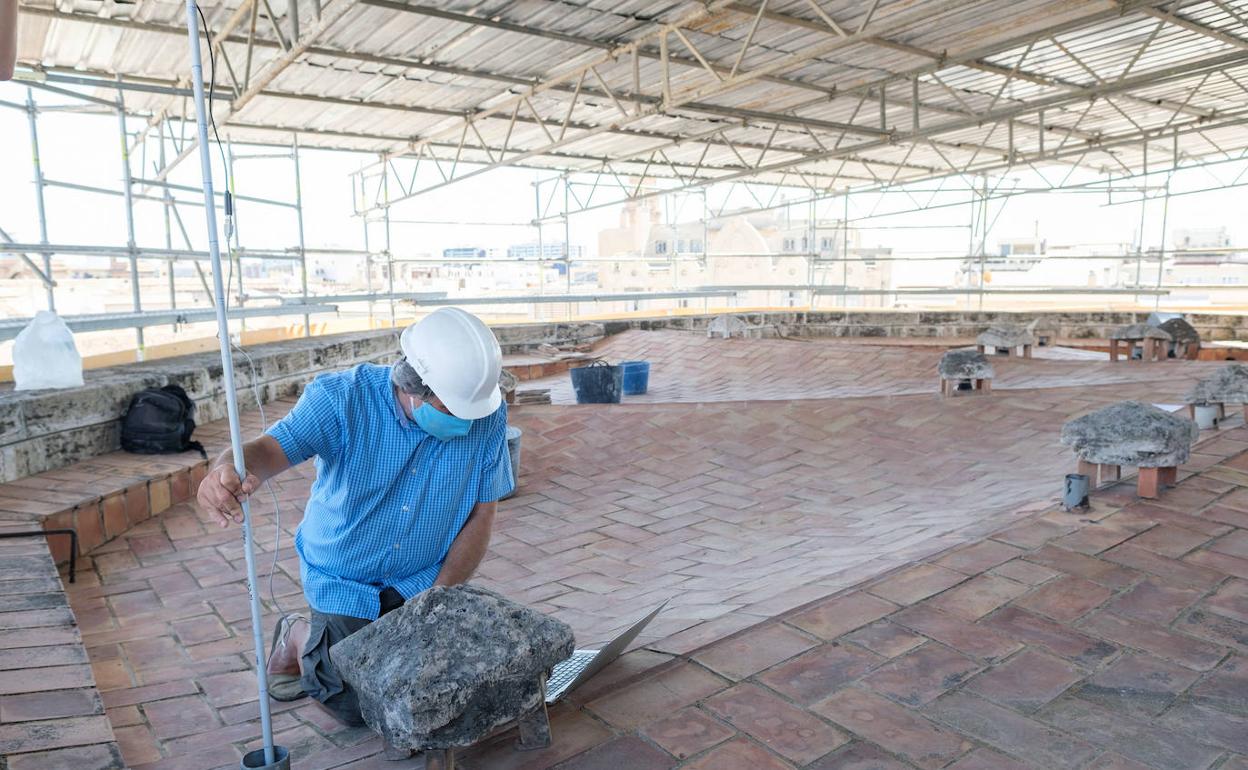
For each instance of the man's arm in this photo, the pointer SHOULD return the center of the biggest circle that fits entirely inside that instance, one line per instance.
(221, 493)
(8, 38)
(469, 547)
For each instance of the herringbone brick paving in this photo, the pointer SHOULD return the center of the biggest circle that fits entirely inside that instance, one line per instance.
(741, 512)
(686, 366)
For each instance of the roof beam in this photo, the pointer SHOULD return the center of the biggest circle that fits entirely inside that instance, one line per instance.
(329, 17)
(1194, 26)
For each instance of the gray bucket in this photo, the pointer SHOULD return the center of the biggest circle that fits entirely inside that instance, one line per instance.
(1075, 494)
(513, 449)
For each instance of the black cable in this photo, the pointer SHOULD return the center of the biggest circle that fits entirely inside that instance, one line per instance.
(225, 166)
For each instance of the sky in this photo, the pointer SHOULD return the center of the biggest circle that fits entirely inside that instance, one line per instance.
(84, 149)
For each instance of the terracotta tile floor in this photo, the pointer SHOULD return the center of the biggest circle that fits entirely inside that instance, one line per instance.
(689, 367)
(762, 519)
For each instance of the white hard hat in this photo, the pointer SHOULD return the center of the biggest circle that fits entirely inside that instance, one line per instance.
(459, 359)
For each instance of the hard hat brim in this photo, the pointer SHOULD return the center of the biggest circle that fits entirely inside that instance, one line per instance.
(474, 410)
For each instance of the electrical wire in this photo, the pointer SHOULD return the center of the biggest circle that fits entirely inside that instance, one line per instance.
(225, 166)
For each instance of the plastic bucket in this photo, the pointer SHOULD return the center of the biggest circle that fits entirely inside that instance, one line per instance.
(636, 377)
(1206, 416)
(598, 383)
(513, 449)
(1075, 493)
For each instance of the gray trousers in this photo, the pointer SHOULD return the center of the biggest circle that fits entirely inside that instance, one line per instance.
(320, 680)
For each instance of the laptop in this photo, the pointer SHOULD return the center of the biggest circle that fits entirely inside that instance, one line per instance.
(584, 664)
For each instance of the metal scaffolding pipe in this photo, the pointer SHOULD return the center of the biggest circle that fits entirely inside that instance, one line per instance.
(303, 252)
(32, 119)
(128, 190)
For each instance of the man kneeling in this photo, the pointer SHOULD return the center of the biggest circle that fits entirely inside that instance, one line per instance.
(410, 461)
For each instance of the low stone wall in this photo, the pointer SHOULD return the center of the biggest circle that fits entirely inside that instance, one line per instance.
(47, 429)
(933, 324)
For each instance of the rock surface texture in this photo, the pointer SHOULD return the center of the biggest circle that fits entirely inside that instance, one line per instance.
(1131, 433)
(1180, 331)
(1005, 336)
(964, 365)
(1139, 332)
(726, 326)
(1228, 385)
(450, 666)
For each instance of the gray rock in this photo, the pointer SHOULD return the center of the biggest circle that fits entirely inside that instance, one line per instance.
(507, 381)
(726, 326)
(1180, 331)
(1005, 336)
(1228, 385)
(450, 666)
(964, 365)
(1131, 433)
(1139, 332)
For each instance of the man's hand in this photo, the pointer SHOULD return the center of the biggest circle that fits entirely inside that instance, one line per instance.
(221, 494)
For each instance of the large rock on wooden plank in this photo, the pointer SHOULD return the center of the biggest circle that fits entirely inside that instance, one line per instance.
(1005, 336)
(726, 326)
(1131, 433)
(450, 666)
(1139, 332)
(964, 365)
(1180, 331)
(1228, 385)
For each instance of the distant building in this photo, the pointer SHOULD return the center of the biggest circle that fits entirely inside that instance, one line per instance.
(547, 250)
(754, 249)
(463, 253)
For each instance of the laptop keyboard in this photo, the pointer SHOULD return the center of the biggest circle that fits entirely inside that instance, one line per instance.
(563, 673)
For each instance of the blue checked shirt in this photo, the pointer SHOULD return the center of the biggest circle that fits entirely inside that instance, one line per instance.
(389, 499)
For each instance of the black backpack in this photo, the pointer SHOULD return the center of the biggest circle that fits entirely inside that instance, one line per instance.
(158, 421)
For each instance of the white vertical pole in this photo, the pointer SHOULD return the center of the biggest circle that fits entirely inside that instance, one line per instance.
(32, 115)
(227, 368)
(126, 179)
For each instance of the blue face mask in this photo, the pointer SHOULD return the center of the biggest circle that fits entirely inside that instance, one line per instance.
(438, 424)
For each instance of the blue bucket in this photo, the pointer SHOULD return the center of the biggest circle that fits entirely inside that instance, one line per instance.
(636, 377)
(598, 383)
(513, 449)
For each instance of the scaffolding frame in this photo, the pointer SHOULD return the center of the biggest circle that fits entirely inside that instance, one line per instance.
(655, 106)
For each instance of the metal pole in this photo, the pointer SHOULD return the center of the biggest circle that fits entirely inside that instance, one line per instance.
(983, 239)
(167, 202)
(812, 254)
(567, 243)
(303, 254)
(389, 254)
(1139, 245)
(368, 266)
(845, 254)
(541, 247)
(227, 370)
(31, 113)
(1161, 252)
(236, 244)
(129, 198)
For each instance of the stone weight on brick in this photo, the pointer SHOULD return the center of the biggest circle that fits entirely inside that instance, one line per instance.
(726, 326)
(1005, 336)
(450, 666)
(1131, 433)
(964, 365)
(1228, 385)
(1180, 331)
(1140, 332)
